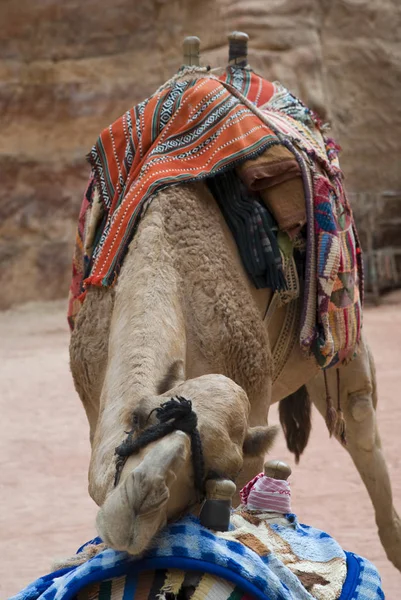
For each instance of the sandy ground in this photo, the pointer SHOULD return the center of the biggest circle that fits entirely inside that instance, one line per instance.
(45, 511)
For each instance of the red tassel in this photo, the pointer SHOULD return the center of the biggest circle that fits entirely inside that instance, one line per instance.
(341, 427)
(331, 418)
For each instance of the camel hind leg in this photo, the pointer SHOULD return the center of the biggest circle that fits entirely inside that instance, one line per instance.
(358, 402)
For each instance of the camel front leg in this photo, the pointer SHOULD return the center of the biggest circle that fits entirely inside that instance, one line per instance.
(358, 402)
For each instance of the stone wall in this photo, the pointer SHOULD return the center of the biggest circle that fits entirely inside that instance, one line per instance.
(68, 68)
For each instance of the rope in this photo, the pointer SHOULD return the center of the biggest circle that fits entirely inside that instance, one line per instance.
(174, 415)
(182, 73)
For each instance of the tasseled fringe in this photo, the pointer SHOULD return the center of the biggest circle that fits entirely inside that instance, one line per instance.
(341, 427)
(335, 421)
(331, 415)
(340, 424)
(165, 591)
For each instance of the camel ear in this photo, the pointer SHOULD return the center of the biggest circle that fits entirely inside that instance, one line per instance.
(259, 440)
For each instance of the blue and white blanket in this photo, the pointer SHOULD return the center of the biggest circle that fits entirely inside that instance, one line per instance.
(186, 545)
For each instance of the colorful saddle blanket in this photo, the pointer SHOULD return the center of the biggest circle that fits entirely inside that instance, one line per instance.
(268, 557)
(198, 126)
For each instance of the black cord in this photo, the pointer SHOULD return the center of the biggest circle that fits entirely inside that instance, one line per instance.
(174, 415)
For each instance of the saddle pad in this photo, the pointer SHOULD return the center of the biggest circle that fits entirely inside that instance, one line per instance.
(197, 127)
(266, 561)
(331, 318)
(190, 131)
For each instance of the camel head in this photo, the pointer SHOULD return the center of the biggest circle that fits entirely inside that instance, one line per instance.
(158, 483)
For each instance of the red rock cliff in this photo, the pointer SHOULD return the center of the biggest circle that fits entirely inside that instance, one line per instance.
(68, 68)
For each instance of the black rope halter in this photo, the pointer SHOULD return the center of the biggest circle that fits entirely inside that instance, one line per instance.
(174, 415)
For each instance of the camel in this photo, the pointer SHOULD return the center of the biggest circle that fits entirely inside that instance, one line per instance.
(184, 320)
(183, 310)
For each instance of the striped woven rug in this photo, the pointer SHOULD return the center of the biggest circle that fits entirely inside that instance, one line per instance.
(163, 585)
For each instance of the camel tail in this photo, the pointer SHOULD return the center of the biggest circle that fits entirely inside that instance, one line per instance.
(295, 419)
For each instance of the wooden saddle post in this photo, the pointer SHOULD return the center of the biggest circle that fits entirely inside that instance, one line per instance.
(238, 49)
(191, 51)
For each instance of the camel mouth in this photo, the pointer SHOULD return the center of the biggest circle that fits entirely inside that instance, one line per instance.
(142, 503)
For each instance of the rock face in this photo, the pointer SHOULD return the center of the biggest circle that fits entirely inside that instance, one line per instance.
(68, 69)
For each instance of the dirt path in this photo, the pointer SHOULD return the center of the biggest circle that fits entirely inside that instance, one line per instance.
(45, 511)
